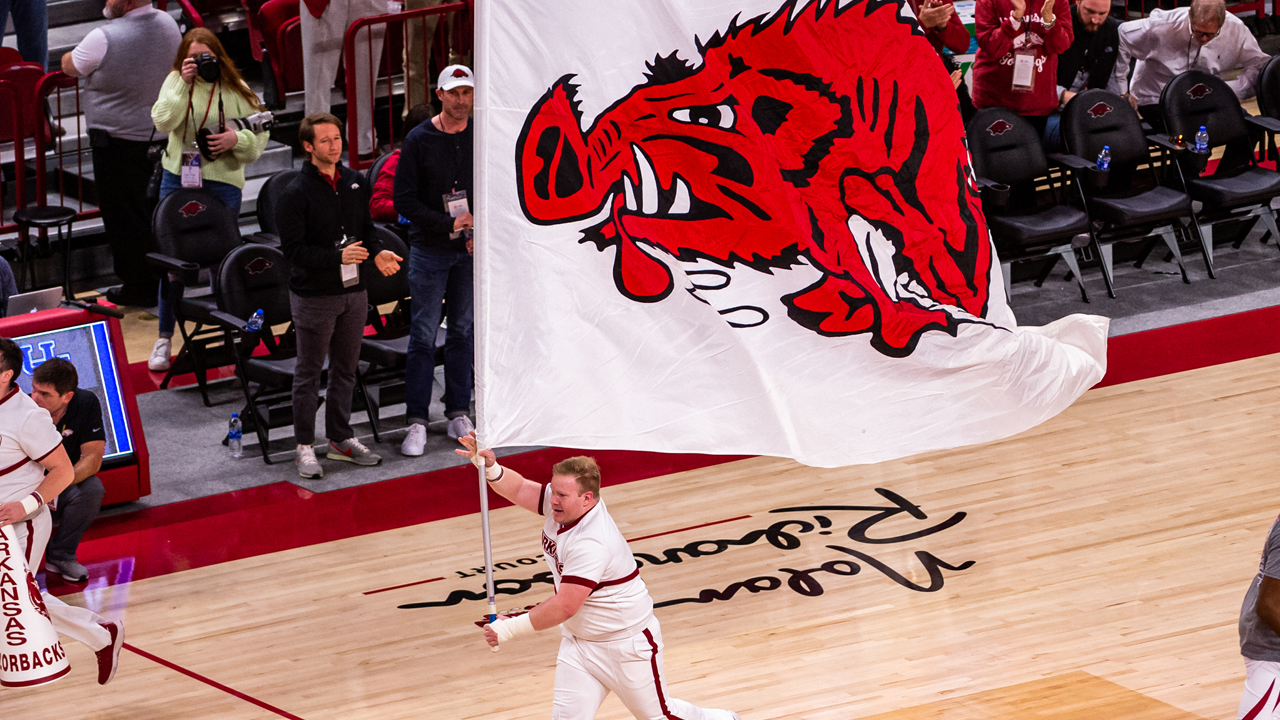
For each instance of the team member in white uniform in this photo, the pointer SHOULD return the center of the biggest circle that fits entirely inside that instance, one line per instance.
(30, 445)
(611, 640)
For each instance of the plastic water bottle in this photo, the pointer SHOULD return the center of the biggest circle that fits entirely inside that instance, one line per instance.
(402, 220)
(1104, 158)
(1202, 140)
(233, 436)
(255, 323)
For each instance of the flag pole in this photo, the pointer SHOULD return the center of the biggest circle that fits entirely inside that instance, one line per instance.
(480, 71)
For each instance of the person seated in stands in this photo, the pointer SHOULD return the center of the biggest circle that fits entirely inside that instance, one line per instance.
(77, 414)
(197, 98)
(1016, 66)
(1168, 42)
(382, 205)
(1089, 63)
(944, 30)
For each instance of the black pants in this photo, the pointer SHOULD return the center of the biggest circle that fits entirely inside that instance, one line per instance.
(121, 171)
(329, 325)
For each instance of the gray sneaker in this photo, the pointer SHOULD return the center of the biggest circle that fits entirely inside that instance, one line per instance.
(352, 451)
(308, 466)
(460, 426)
(70, 570)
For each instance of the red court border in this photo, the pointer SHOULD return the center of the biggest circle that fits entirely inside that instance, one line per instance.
(211, 683)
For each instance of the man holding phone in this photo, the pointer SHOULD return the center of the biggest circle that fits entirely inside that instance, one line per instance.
(326, 233)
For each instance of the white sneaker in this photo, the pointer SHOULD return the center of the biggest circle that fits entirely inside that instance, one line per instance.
(308, 466)
(159, 360)
(460, 426)
(415, 443)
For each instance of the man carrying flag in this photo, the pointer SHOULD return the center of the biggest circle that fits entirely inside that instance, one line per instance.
(611, 639)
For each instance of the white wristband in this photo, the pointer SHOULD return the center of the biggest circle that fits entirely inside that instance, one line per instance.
(493, 473)
(509, 628)
(30, 504)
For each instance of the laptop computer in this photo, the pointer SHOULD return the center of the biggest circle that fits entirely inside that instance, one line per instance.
(34, 301)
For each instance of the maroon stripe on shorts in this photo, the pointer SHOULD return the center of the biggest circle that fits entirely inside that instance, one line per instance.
(657, 676)
(1261, 703)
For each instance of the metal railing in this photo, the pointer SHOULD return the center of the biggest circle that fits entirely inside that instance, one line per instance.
(54, 84)
(456, 38)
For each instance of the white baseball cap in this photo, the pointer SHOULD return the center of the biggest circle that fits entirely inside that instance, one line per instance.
(455, 75)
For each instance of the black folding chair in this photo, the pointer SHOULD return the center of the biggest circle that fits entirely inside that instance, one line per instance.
(1131, 205)
(268, 202)
(194, 232)
(1238, 187)
(1008, 158)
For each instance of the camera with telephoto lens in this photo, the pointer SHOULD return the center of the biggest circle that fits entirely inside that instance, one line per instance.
(257, 122)
(207, 68)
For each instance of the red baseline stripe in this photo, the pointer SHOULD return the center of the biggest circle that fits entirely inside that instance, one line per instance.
(657, 676)
(211, 683)
(1261, 703)
(1214, 341)
(691, 527)
(397, 587)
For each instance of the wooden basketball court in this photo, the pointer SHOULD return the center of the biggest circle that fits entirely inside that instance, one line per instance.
(1090, 568)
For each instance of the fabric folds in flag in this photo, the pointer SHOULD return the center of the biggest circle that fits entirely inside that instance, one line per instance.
(741, 227)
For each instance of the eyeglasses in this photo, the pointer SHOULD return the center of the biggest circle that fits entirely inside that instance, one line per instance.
(1204, 36)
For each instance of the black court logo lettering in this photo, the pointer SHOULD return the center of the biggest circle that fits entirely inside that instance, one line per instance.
(1100, 109)
(1199, 90)
(787, 534)
(192, 209)
(999, 127)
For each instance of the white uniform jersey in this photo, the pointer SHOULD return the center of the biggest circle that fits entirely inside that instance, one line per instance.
(592, 552)
(27, 436)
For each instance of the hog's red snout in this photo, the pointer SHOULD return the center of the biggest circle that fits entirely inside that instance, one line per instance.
(556, 184)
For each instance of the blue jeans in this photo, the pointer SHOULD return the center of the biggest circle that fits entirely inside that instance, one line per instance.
(1052, 141)
(31, 24)
(437, 276)
(171, 289)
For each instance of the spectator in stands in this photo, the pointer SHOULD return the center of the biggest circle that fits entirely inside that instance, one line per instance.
(1016, 66)
(324, 25)
(31, 25)
(76, 413)
(382, 204)
(435, 162)
(1168, 42)
(417, 55)
(189, 104)
(944, 30)
(123, 65)
(1090, 61)
(326, 233)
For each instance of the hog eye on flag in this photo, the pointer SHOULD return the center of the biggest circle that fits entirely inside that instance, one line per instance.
(764, 239)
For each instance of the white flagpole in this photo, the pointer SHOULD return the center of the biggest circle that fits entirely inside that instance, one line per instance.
(480, 274)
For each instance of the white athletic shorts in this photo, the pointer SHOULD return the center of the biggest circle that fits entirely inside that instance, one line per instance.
(1261, 691)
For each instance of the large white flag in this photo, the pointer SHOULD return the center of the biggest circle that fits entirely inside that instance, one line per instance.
(741, 226)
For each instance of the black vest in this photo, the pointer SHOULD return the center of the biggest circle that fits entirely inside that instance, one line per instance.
(1094, 53)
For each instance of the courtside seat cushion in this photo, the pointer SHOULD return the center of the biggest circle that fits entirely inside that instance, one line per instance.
(276, 373)
(385, 352)
(1060, 222)
(1252, 185)
(1160, 203)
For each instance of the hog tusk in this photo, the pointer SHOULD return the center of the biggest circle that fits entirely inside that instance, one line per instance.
(629, 192)
(648, 182)
(680, 205)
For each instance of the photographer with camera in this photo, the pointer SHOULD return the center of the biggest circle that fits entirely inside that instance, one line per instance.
(198, 106)
(123, 64)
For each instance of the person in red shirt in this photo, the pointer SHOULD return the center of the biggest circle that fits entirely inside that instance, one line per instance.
(381, 205)
(944, 30)
(1017, 61)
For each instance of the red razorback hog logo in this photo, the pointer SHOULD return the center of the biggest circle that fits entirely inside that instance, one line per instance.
(258, 265)
(999, 127)
(790, 132)
(1199, 90)
(1100, 109)
(459, 72)
(192, 209)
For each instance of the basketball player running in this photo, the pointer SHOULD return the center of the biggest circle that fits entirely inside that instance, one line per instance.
(30, 445)
(610, 638)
